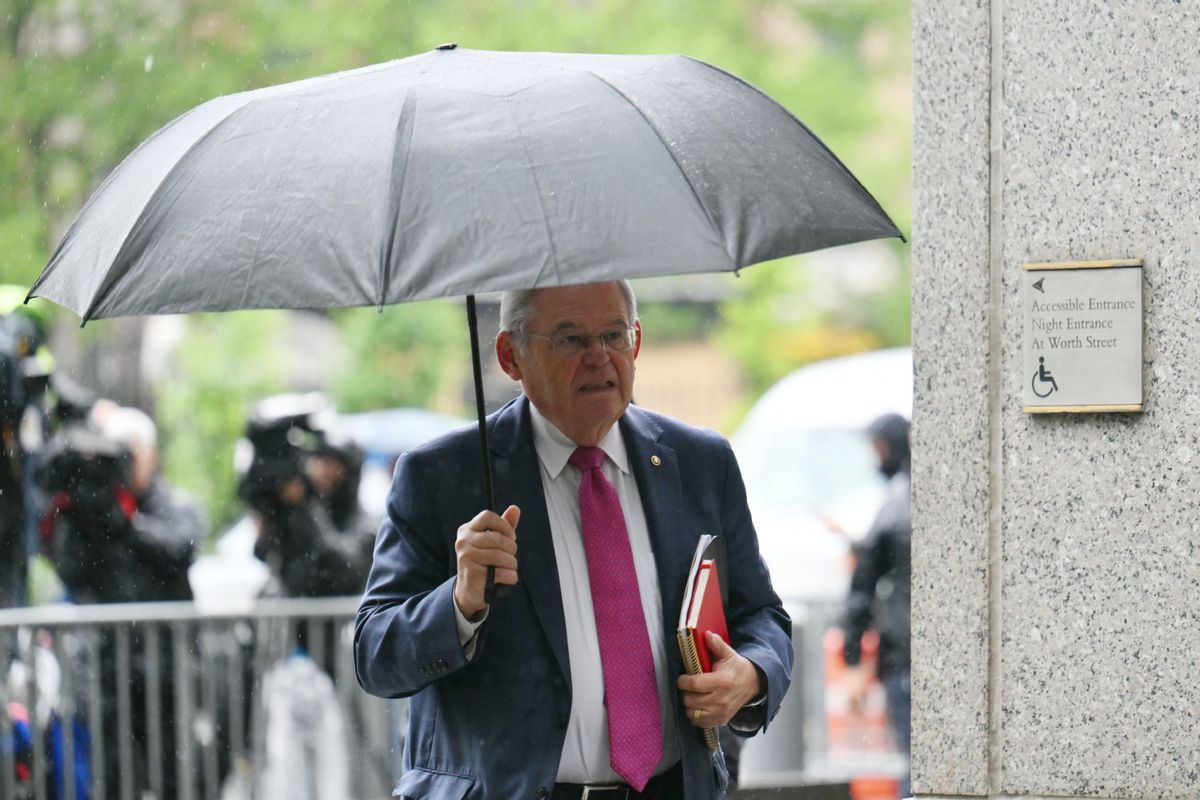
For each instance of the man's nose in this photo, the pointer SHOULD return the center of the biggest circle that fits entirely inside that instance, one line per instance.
(596, 352)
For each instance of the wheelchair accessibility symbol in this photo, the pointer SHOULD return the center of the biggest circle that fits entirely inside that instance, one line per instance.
(1043, 382)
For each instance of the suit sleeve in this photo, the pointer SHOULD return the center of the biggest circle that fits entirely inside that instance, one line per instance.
(406, 634)
(758, 625)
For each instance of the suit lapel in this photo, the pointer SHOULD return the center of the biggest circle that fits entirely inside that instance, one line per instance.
(518, 482)
(656, 470)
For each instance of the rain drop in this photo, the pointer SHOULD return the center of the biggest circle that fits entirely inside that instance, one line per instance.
(149, 62)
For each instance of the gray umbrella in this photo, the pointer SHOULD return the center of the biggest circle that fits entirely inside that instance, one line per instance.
(450, 173)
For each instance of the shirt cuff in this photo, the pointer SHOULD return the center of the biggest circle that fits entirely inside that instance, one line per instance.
(468, 631)
(750, 718)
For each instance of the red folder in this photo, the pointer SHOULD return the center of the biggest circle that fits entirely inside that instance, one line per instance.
(702, 611)
(706, 613)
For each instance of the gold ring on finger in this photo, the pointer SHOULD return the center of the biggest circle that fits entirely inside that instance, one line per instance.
(696, 714)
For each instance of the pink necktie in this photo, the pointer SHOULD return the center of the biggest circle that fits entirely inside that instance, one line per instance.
(630, 687)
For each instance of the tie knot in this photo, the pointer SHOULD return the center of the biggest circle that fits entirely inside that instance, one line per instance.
(585, 458)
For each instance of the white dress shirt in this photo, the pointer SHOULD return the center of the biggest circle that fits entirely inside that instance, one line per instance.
(585, 749)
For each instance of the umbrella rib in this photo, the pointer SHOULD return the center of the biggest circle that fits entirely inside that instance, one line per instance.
(405, 124)
(558, 276)
(675, 160)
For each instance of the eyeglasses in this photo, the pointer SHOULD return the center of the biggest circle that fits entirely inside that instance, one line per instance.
(617, 340)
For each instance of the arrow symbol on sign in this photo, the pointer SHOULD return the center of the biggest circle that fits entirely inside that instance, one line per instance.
(1038, 285)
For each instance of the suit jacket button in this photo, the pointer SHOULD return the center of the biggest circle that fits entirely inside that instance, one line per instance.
(543, 793)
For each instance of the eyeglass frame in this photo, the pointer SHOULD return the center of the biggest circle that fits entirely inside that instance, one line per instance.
(556, 342)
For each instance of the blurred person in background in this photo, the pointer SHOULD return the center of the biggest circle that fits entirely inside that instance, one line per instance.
(335, 474)
(300, 480)
(117, 532)
(302, 483)
(880, 588)
(25, 365)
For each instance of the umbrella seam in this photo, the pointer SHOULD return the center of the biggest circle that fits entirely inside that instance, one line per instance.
(541, 202)
(712, 223)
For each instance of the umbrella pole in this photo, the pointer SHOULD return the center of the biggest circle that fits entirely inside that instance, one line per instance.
(481, 414)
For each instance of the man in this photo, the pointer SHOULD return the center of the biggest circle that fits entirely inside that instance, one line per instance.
(312, 532)
(881, 587)
(119, 538)
(24, 362)
(571, 680)
(118, 532)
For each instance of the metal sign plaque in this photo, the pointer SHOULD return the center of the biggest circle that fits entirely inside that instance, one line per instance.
(1083, 336)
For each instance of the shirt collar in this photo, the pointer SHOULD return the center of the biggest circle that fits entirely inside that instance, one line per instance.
(554, 448)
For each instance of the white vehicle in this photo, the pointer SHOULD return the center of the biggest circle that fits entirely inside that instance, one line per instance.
(809, 469)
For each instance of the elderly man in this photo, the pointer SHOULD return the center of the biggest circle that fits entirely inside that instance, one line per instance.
(569, 685)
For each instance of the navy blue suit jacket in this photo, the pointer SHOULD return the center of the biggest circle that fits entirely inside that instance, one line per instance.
(494, 727)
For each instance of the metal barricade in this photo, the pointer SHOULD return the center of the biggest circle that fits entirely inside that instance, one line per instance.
(163, 700)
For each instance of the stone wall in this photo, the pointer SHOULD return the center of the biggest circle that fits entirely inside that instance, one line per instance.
(1056, 613)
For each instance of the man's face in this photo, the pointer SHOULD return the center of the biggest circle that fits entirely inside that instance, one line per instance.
(583, 394)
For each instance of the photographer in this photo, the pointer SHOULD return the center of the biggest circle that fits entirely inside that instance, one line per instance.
(302, 482)
(23, 376)
(116, 532)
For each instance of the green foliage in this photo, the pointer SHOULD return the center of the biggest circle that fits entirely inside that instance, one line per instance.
(223, 365)
(403, 356)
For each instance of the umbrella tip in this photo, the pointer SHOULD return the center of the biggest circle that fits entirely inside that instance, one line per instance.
(447, 46)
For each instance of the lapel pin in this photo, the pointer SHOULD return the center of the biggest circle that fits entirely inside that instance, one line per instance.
(656, 461)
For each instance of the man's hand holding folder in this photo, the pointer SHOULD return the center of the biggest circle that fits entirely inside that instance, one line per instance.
(720, 681)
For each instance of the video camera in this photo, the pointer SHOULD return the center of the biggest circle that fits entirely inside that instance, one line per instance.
(281, 433)
(85, 466)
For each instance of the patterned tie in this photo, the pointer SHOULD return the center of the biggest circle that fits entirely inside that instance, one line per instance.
(630, 687)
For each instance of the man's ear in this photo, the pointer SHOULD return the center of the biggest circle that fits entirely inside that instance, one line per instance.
(506, 354)
(637, 343)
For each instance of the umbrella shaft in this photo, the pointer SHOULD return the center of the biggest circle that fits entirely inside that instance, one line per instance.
(480, 410)
(481, 415)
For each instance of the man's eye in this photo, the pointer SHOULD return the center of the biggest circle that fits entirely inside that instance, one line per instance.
(574, 340)
(612, 337)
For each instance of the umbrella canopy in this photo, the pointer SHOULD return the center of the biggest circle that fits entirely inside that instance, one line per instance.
(455, 172)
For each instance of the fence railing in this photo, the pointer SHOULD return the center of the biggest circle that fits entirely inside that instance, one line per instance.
(164, 701)
(167, 701)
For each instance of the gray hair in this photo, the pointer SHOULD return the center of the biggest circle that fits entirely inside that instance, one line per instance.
(516, 309)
